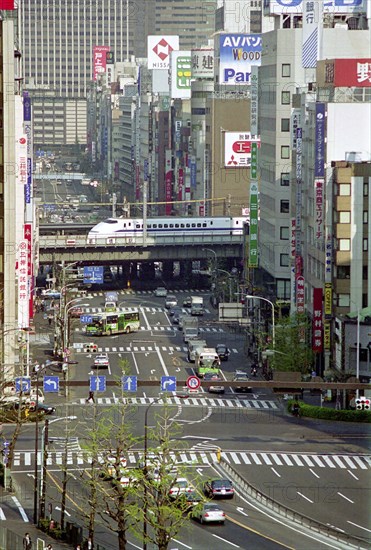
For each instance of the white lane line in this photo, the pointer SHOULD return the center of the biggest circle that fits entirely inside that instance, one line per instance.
(21, 510)
(182, 543)
(359, 526)
(135, 361)
(2, 515)
(354, 475)
(145, 319)
(306, 498)
(227, 541)
(275, 472)
(162, 362)
(346, 498)
(314, 473)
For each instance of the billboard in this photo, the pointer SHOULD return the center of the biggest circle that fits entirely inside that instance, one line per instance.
(279, 7)
(238, 53)
(347, 131)
(352, 72)
(203, 63)
(311, 34)
(23, 285)
(253, 234)
(237, 149)
(99, 60)
(180, 74)
(159, 49)
(317, 321)
(168, 182)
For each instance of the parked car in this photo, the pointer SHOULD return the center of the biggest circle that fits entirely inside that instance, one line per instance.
(241, 376)
(215, 378)
(171, 301)
(223, 352)
(101, 360)
(187, 302)
(160, 292)
(209, 513)
(222, 488)
(51, 293)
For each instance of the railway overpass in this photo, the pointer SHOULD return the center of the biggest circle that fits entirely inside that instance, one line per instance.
(115, 251)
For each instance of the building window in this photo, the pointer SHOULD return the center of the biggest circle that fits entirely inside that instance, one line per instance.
(344, 245)
(343, 271)
(285, 98)
(285, 207)
(285, 179)
(365, 245)
(285, 124)
(365, 216)
(286, 70)
(365, 273)
(285, 151)
(344, 217)
(344, 189)
(284, 260)
(365, 189)
(284, 233)
(343, 300)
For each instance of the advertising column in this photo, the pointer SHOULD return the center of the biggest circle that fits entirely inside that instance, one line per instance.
(29, 206)
(168, 182)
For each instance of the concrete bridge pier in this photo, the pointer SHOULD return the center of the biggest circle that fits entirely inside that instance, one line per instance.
(147, 271)
(167, 270)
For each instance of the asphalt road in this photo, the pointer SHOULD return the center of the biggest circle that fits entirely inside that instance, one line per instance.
(318, 468)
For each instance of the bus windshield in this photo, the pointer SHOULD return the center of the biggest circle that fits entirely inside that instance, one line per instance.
(121, 321)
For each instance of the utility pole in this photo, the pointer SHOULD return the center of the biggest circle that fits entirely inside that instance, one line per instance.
(45, 458)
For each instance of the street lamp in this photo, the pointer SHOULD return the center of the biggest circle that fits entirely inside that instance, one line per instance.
(251, 297)
(65, 320)
(44, 458)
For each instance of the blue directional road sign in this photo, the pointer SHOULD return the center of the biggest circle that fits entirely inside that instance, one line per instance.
(129, 383)
(93, 274)
(98, 383)
(22, 384)
(51, 384)
(86, 319)
(168, 383)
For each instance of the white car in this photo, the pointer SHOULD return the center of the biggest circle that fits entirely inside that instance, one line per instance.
(50, 293)
(209, 513)
(180, 486)
(160, 292)
(101, 360)
(171, 301)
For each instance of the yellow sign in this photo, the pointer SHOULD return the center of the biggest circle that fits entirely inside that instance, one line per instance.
(328, 300)
(327, 335)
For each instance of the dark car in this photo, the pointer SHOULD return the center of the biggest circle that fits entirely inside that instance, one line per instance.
(174, 310)
(241, 376)
(187, 302)
(176, 317)
(222, 488)
(217, 386)
(42, 408)
(223, 352)
(189, 500)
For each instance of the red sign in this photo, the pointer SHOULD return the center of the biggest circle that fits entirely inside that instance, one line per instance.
(352, 72)
(193, 382)
(317, 322)
(27, 230)
(180, 184)
(99, 60)
(6, 4)
(168, 192)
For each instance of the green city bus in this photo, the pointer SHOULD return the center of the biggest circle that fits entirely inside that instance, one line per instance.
(121, 321)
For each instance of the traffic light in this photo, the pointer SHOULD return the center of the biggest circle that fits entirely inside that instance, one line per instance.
(363, 404)
(90, 348)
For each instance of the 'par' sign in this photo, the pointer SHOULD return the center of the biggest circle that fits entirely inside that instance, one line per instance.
(238, 52)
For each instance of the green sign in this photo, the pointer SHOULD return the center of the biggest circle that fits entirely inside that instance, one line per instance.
(254, 161)
(253, 236)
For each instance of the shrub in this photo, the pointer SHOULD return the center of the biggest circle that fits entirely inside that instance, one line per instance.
(326, 413)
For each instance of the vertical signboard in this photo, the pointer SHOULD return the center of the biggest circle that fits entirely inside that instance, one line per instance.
(299, 149)
(319, 155)
(311, 32)
(317, 322)
(168, 183)
(23, 285)
(99, 60)
(253, 236)
(180, 184)
(254, 94)
(300, 294)
(319, 205)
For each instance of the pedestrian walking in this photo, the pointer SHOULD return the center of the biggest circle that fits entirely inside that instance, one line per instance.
(27, 542)
(90, 398)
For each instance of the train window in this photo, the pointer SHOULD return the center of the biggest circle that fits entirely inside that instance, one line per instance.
(160, 225)
(148, 226)
(171, 225)
(204, 225)
(137, 226)
(193, 225)
(198, 225)
(188, 225)
(166, 225)
(155, 226)
(110, 220)
(176, 225)
(182, 225)
(211, 223)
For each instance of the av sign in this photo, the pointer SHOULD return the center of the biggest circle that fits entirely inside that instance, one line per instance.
(238, 53)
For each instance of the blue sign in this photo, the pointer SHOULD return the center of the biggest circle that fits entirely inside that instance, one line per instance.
(319, 144)
(238, 52)
(97, 383)
(86, 319)
(93, 274)
(22, 384)
(129, 383)
(6, 451)
(168, 383)
(50, 206)
(51, 384)
(193, 174)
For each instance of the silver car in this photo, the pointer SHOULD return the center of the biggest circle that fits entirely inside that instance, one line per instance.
(209, 513)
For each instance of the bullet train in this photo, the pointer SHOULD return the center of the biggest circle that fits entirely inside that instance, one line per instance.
(168, 226)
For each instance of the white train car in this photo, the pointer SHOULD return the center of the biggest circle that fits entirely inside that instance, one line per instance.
(114, 228)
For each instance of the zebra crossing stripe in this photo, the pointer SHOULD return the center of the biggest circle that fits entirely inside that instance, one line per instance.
(328, 461)
(286, 459)
(245, 458)
(266, 459)
(255, 458)
(350, 463)
(360, 463)
(317, 460)
(297, 460)
(277, 460)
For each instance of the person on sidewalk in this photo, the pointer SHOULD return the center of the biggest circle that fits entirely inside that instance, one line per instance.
(49, 547)
(27, 542)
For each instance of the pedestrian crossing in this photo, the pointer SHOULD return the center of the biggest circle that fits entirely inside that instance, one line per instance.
(249, 404)
(144, 349)
(145, 309)
(131, 292)
(82, 459)
(169, 328)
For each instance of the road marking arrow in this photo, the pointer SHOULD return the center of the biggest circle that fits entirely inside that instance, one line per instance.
(242, 512)
(67, 514)
(199, 471)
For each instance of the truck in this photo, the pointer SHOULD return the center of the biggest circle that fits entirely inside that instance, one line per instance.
(110, 301)
(207, 360)
(190, 328)
(197, 305)
(193, 346)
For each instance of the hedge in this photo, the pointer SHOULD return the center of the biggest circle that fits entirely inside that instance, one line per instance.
(327, 413)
